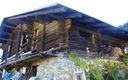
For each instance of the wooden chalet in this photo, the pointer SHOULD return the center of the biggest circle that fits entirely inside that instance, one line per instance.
(54, 29)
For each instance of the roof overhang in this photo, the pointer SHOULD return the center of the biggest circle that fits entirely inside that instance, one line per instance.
(59, 12)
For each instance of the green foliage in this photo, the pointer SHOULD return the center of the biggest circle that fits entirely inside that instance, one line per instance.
(125, 58)
(74, 57)
(95, 72)
(101, 70)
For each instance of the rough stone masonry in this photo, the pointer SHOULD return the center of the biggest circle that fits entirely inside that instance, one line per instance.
(58, 68)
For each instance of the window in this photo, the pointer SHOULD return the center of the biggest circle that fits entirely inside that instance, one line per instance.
(24, 39)
(84, 36)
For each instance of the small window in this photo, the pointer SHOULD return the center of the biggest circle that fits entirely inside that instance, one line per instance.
(84, 36)
(23, 39)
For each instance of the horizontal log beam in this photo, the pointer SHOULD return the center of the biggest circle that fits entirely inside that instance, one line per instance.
(86, 20)
(15, 21)
(110, 29)
(43, 18)
(7, 26)
(75, 15)
(5, 39)
(55, 10)
(26, 32)
(97, 25)
(104, 37)
(6, 33)
(122, 34)
(19, 21)
(116, 32)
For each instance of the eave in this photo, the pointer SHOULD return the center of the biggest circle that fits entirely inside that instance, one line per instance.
(60, 12)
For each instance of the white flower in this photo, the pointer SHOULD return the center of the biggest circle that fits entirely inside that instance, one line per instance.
(87, 69)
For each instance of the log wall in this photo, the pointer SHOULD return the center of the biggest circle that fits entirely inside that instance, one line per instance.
(82, 41)
(14, 43)
(47, 35)
(52, 37)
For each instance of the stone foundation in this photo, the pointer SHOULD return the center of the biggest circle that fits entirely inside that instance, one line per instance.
(58, 68)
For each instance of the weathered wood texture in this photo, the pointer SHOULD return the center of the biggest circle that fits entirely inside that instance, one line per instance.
(46, 36)
(50, 34)
(82, 40)
(14, 43)
(38, 36)
(17, 42)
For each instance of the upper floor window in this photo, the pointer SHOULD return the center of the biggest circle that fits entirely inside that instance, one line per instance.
(84, 36)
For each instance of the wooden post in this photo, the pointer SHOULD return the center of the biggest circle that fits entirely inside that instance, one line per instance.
(61, 31)
(66, 28)
(18, 44)
(43, 37)
(100, 44)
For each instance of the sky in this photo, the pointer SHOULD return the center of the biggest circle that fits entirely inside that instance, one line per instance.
(113, 12)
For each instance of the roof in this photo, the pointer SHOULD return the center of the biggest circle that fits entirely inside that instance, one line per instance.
(59, 11)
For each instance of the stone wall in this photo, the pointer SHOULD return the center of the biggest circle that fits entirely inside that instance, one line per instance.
(58, 68)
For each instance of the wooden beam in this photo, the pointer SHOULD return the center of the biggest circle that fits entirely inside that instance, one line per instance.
(56, 16)
(18, 44)
(115, 32)
(110, 29)
(26, 32)
(122, 35)
(55, 10)
(7, 26)
(15, 21)
(5, 39)
(31, 19)
(97, 25)
(45, 18)
(75, 15)
(103, 37)
(19, 21)
(86, 20)
(6, 33)
(64, 17)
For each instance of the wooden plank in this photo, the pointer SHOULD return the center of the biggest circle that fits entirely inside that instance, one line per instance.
(52, 42)
(54, 29)
(37, 37)
(51, 25)
(52, 38)
(7, 26)
(5, 39)
(18, 44)
(112, 39)
(41, 30)
(53, 46)
(97, 25)
(52, 34)
(6, 33)
(86, 20)
(61, 32)
(54, 10)
(75, 15)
